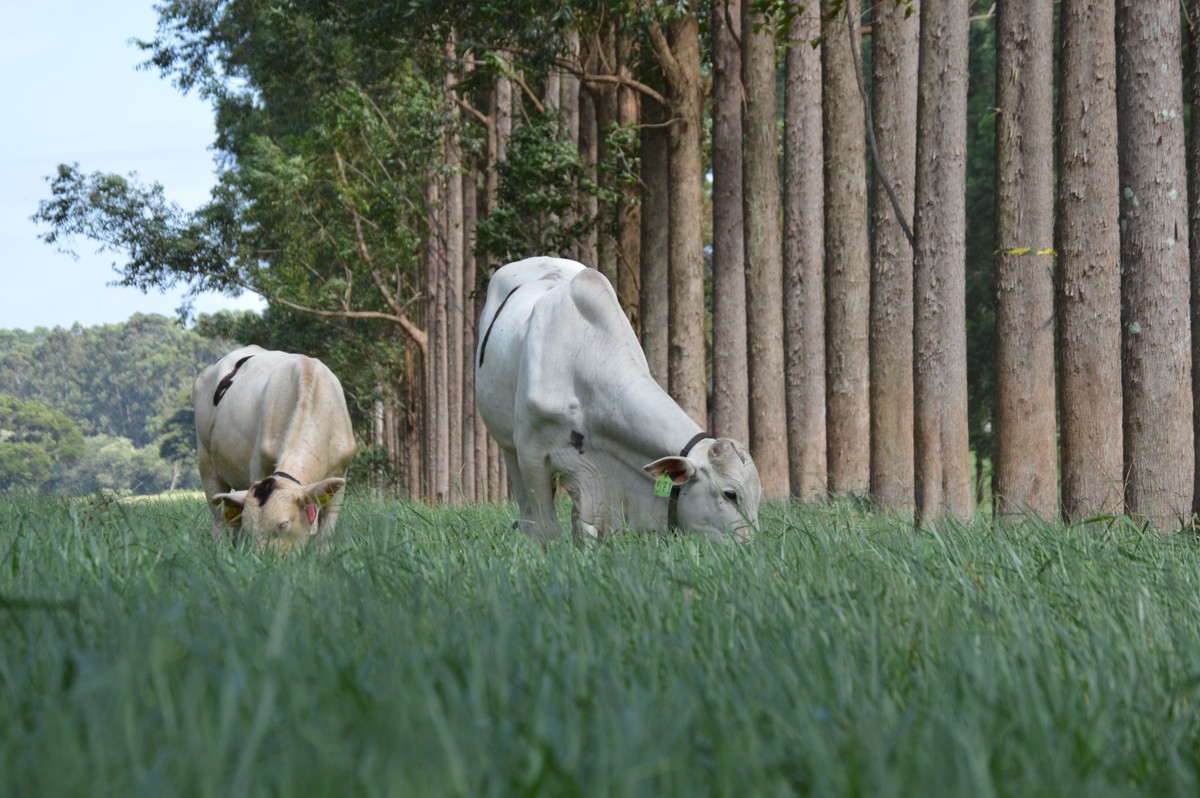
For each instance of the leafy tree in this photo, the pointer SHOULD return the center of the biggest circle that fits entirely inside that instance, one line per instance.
(33, 439)
(113, 463)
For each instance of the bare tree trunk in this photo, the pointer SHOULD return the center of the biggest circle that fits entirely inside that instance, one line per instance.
(894, 110)
(1155, 285)
(628, 211)
(679, 55)
(655, 248)
(942, 463)
(470, 414)
(604, 96)
(847, 258)
(1089, 257)
(589, 252)
(437, 367)
(1024, 475)
(804, 262)
(731, 380)
(764, 254)
(569, 108)
(455, 309)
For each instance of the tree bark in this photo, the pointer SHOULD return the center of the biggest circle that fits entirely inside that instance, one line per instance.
(764, 254)
(628, 211)
(455, 307)
(1155, 285)
(847, 258)
(943, 481)
(1194, 229)
(804, 263)
(730, 382)
(589, 205)
(604, 98)
(1089, 258)
(679, 56)
(471, 454)
(655, 248)
(896, 41)
(1024, 475)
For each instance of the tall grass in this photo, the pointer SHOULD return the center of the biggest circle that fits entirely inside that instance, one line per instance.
(438, 652)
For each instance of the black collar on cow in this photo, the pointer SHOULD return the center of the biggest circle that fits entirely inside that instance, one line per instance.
(286, 475)
(673, 502)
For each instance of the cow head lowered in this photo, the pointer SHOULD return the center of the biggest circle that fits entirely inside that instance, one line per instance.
(278, 512)
(715, 489)
(563, 386)
(274, 444)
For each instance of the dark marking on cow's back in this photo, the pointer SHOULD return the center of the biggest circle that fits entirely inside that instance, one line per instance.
(577, 440)
(488, 334)
(227, 380)
(263, 490)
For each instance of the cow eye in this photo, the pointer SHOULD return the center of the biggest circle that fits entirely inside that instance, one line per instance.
(732, 496)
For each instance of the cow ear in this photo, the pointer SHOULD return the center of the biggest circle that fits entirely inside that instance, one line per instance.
(680, 469)
(232, 504)
(321, 493)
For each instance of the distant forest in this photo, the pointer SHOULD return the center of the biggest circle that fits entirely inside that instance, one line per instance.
(101, 408)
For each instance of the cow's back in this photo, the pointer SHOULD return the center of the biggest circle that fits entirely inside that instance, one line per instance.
(255, 407)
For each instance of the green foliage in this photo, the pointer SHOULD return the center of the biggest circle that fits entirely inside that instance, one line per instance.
(981, 243)
(111, 463)
(115, 379)
(539, 181)
(438, 652)
(33, 438)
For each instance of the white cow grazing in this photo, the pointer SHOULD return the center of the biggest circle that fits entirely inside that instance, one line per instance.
(274, 445)
(563, 386)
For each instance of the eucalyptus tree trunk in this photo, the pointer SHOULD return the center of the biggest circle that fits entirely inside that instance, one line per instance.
(942, 462)
(764, 254)
(1089, 262)
(455, 307)
(569, 108)
(1194, 229)
(804, 262)
(1024, 474)
(847, 257)
(655, 247)
(604, 98)
(730, 383)
(1155, 285)
(896, 40)
(628, 211)
(589, 205)
(502, 107)
(437, 399)
(471, 449)
(678, 54)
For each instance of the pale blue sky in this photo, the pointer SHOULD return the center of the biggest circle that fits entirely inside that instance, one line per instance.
(70, 92)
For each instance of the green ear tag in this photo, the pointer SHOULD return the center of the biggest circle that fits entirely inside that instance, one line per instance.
(663, 485)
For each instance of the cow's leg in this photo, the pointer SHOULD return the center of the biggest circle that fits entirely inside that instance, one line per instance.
(212, 486)
(535, 482)
(524, 502)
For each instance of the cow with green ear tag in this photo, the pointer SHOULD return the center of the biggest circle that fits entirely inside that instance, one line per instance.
(564, 388)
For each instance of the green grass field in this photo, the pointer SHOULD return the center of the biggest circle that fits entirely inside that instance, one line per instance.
(439, 653)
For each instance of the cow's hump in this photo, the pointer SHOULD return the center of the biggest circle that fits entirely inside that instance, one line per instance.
(596, 301)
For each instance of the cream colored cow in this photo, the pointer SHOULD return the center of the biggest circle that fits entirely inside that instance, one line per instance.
(564, 388)
(275, 443)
